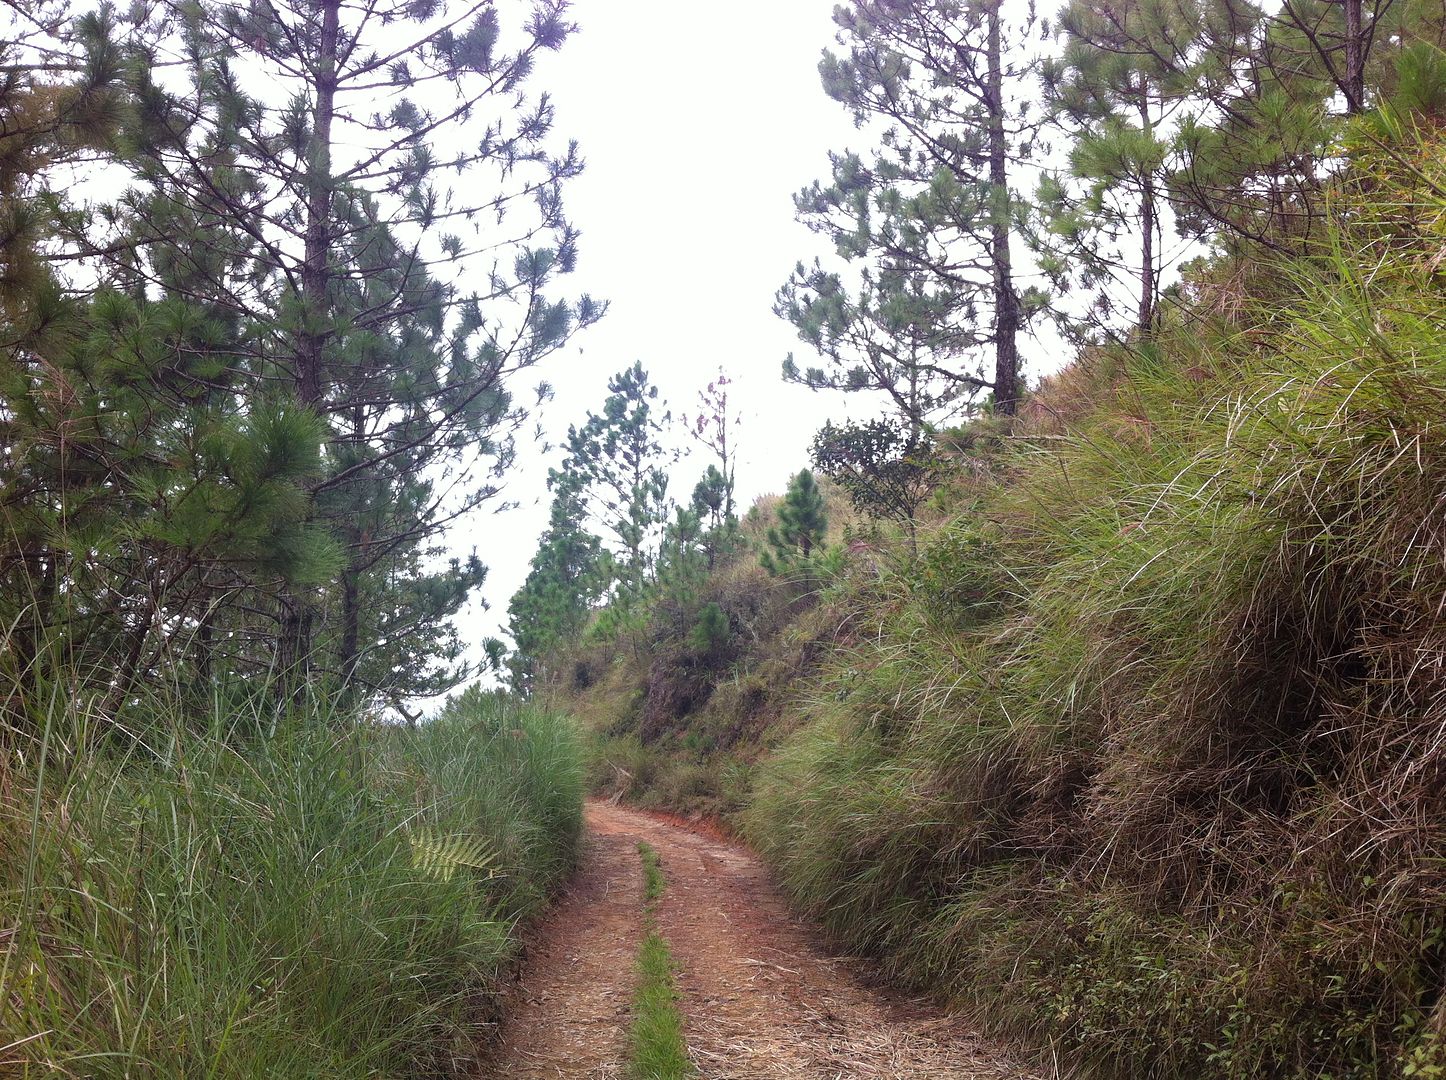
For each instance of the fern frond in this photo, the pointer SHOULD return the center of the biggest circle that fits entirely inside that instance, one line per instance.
(440, 856)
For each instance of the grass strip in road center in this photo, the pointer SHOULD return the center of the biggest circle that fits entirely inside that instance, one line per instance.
(658, 1049)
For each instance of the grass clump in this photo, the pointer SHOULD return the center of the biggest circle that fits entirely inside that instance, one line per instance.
(653, 881)
(236, 898)
(659, 1051)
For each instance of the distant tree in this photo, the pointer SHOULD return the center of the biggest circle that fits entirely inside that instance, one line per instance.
(712, 496)
(713, 427)
(568, 574)
(802, 524)
(495, 650)
(887, 471)
(682, 569)
(615, 467)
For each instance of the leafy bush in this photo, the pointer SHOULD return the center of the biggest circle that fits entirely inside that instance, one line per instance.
(887, 468)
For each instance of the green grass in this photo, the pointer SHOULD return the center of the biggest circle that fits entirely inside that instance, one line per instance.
(658, 1050)
(229, 899)
(653, 881)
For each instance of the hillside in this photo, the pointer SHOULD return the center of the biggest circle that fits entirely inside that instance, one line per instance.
(1141, 758)
(1082, 678)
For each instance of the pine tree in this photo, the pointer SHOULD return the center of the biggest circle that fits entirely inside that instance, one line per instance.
(388, 288)
(900, 333)
(1125, 74)
(712, 505)
(136, 502)
(1256, 152)
(931, 215)
(712, 427)
(802, 525)
(614, 466)
(139, 496)
(568, 574)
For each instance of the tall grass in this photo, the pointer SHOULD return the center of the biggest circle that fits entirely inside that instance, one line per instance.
(1147, 758)
(310, 898)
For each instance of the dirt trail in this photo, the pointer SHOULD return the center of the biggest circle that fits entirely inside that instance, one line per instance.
(761, 998)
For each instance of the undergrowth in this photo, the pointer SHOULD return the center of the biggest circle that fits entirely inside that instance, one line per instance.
(1143, 758)
(245, 897)
(673, 730)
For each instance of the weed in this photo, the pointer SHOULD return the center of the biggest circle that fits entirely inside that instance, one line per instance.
(658, 1049)
(653, 883)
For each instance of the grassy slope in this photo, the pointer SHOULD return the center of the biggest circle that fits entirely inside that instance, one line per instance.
(1146, 758)
(674, 732)
(307, 904)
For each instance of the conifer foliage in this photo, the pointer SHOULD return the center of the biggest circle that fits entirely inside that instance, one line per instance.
(924, 305)
(329, 238)
(802, 523)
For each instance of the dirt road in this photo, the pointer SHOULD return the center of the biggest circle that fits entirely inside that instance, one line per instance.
(761, 998)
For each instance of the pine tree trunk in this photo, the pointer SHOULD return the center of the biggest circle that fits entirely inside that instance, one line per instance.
(1006, 304)
(358, 540)
(295, 646)
(206, 641)
(350, 627)
(916, 407)
(318, 210)
(1355, 58)
(1148, 212)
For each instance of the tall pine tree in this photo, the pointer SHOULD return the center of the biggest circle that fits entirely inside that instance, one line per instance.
(925, 224)
(615, 466)
(374, 192)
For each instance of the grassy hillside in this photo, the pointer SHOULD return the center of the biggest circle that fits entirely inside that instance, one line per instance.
(253, 898)
(676, 729)
(1145, 756)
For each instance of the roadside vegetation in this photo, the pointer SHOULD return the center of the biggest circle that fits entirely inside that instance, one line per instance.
(257, 896)
(1142, 757)
(248, 383)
